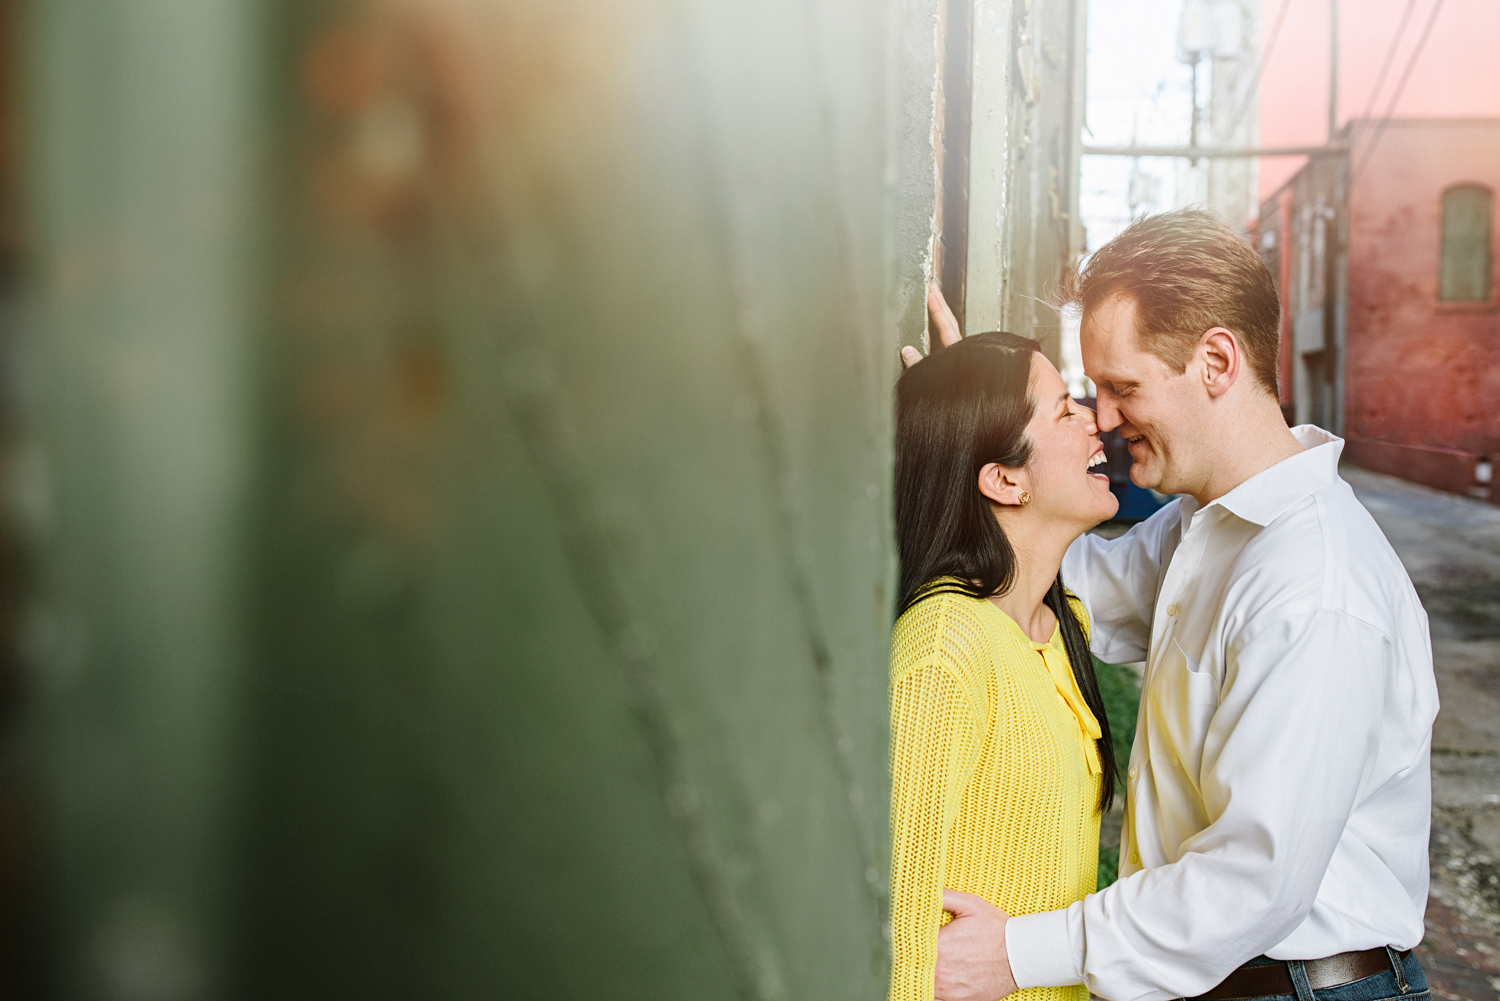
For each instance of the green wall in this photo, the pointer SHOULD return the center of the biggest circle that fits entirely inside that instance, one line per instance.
(461, 436)
(132, 485)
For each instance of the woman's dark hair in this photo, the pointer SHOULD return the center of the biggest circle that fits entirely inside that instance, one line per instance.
(958, 410)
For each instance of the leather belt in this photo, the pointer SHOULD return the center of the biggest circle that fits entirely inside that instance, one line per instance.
(1275, 979)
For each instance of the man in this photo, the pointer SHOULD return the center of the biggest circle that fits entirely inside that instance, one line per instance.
(1278, 794)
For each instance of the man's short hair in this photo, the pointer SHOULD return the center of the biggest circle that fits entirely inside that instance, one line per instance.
(1186, 271)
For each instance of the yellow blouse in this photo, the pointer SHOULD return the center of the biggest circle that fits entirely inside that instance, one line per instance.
(994, 778)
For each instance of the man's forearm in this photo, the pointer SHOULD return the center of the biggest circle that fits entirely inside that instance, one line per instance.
(1117, 581)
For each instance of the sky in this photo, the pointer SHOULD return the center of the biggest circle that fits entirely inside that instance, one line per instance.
(1138, 90)
(1456, 74)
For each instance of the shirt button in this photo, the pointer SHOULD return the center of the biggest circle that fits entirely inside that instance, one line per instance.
(1135, 858)
(1134, 771)
(1171, 609)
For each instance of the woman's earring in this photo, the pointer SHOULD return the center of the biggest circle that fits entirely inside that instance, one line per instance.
(1025, 498)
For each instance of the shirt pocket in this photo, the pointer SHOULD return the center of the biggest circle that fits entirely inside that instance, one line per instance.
(1184, 700)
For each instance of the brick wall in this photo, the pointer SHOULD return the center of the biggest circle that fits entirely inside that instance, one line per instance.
(1422, 377)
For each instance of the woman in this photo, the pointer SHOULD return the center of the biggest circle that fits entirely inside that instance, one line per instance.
(1001, 759)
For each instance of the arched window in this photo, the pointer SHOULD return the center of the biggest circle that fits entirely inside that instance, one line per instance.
(1465, 271)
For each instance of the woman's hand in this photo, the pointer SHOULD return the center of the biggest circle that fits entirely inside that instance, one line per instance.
(943, 321)
(972, 964)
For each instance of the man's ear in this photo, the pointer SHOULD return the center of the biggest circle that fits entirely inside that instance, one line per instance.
(1222, 358)
(1003, 484)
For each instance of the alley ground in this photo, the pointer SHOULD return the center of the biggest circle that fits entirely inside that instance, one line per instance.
(1451, 548)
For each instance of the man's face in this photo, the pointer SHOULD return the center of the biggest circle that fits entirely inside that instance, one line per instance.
(1158, 411)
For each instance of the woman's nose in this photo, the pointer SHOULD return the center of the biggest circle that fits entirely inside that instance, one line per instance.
(1090, 420)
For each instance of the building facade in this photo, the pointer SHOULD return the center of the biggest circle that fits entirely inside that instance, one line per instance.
(1391, 303)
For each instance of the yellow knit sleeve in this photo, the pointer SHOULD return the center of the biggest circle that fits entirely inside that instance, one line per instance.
(937, 718)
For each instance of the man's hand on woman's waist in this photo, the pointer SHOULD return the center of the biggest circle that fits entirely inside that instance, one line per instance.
(972, 963)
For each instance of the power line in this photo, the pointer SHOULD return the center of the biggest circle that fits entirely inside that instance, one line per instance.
(1390, 56)
(1396, 97)
(1265, 57)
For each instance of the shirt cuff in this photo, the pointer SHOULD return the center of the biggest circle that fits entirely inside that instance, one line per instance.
(1043, 950)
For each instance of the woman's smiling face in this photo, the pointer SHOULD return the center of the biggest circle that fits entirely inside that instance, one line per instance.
(1066, 454)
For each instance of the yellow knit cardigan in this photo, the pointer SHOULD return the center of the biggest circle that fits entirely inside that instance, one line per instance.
(994, 778)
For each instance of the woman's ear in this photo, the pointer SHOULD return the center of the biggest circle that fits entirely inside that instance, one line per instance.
(1003, 485)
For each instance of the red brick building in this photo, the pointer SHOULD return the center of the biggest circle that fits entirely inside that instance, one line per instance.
(1391, 298)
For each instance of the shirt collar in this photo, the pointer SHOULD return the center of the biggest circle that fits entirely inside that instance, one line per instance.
(1263, 498)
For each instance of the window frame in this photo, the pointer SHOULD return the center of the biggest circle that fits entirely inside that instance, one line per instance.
(1491, 299)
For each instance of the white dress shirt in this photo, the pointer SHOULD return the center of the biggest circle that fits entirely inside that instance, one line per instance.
(1279, 794)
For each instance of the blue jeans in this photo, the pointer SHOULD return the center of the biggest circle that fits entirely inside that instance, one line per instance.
(1409, 985)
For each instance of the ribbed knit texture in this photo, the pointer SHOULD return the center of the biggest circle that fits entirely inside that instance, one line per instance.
(994, 782)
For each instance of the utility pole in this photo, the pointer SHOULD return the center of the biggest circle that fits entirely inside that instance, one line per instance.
(1232, 108)
(1222, 35)
(1195, 58)
(1195, 43)
(1333, 69)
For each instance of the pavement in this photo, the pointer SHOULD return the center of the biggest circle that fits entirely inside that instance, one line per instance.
(1450, 546)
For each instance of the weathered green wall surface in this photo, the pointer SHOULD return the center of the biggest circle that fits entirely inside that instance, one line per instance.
(140, 163)
(1027, 113)
(576, 597)
(462, 473)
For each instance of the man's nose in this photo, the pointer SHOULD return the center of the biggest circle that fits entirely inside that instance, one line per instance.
(1108, 416)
